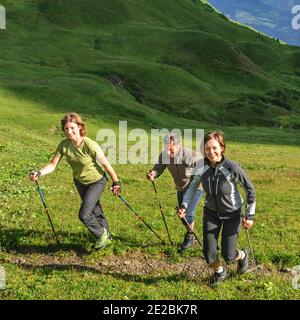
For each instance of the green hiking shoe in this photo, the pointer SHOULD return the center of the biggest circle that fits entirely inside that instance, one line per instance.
(103, 241)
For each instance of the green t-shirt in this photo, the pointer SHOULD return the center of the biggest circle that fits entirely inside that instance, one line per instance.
(82, 159)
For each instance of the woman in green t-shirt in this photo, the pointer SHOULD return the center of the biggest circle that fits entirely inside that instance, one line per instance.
(87, 161)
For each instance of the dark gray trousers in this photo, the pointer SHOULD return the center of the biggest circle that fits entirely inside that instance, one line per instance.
(91, 213)
(212, 226)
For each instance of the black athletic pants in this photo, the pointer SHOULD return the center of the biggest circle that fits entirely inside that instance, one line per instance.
(212, 226)
(91, 213)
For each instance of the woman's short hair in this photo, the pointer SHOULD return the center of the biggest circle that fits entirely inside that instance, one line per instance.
(217, 135)
(73, 117)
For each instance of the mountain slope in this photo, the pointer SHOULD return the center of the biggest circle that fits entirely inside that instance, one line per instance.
(129, 60)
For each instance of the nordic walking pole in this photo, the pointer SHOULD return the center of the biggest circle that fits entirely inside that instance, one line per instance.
(252, 252)
(161, 211)
(250, 245)
(46, 209)
(140, 218)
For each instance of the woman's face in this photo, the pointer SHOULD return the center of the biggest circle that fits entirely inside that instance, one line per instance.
(213, 151)
(72, 130)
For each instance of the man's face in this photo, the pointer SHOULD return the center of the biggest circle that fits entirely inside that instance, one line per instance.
(171, 149)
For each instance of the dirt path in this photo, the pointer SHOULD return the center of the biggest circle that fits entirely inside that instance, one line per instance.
(130, 264)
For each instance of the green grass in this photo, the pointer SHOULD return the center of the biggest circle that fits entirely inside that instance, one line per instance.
(157, 65)
(38, 268)
(183, 59)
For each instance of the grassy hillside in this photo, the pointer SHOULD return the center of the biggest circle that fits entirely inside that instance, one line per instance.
(156, 64)
(180, 58)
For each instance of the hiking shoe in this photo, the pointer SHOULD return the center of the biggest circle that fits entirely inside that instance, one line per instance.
(189, 240)
(103, 241)
(242, 264)
(217, 277)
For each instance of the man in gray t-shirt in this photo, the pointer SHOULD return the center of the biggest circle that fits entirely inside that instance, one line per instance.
(180, 162)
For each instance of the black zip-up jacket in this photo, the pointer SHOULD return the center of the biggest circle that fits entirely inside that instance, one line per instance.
(220, 185)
